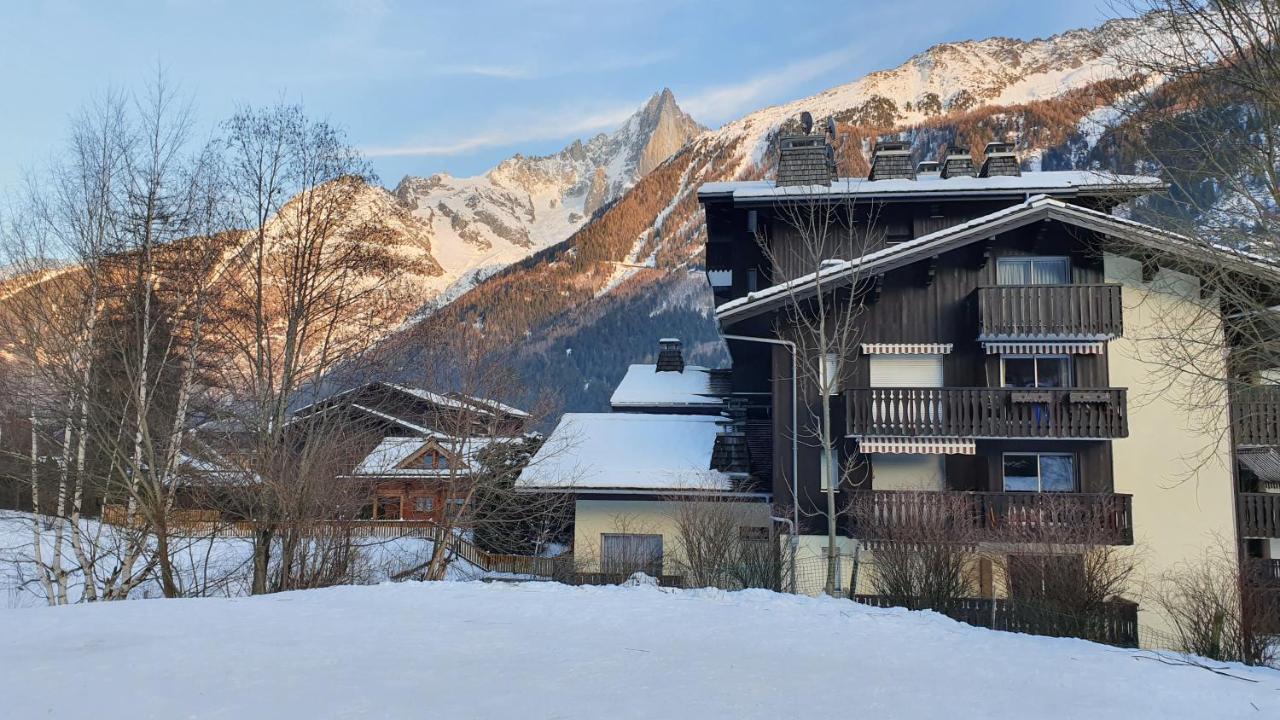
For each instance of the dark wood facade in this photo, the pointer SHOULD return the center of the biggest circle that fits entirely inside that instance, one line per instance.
(953, 298)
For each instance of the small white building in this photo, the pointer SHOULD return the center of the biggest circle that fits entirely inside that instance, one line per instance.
(642, 473)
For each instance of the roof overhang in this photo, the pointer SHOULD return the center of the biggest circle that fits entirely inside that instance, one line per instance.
(1036, 209)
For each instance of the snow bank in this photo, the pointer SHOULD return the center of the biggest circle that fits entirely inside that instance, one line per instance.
(540, 650)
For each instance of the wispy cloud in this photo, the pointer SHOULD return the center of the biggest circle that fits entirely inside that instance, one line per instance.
(727, 102)
(550, 126)
(511, 72)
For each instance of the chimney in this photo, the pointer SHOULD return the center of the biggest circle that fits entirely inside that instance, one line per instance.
(926, 167)
(1001, 160)
(805, 159)
(730, 453)
(670, 355)
(957, 163)
(891, 160)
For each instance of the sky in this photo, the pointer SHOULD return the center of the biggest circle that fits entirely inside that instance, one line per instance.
(457, 85)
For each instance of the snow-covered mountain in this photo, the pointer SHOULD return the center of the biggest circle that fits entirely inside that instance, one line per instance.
(606, 308)
(478, 225)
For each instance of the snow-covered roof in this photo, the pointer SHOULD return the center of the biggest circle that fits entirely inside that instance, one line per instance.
(1049, 182)
(837, 272)
(643, 386)
(627, 451)
(392, 452)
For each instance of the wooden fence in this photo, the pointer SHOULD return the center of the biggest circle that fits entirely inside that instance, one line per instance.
(1113, 623)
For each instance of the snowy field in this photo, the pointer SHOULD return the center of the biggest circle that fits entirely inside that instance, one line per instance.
(541, 650)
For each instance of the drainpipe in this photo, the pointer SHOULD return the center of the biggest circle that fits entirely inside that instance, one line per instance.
(795, 454)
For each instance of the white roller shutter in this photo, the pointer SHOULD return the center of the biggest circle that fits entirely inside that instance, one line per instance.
(906, 371)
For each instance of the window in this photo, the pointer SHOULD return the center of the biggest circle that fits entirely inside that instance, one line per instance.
(435, 461)
(830, 367)
(1039, 472)
(1036, 371)
(826, 471)
(753, 280)
(626, 554)
(387, 507)
(1033, 271)
(424, 504)
(1043, 577)
(453, 507)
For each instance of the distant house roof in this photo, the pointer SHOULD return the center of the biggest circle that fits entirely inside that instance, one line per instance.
(390, 455)
(837, 273)
(644, 387)
(627, 452)
(1060, 183)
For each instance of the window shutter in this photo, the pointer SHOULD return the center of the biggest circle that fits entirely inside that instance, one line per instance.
(906, 371)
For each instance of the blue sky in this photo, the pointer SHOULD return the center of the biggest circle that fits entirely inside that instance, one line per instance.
(456, 85)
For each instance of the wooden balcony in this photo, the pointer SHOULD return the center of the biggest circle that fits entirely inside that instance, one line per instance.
(1259, 515)
(1060, 312)
(1084, 413)
(1067, 518)
(1263, 572)
(1255, 415)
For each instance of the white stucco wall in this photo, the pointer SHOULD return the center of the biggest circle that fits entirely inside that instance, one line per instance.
(593, 518)
(1176, 461)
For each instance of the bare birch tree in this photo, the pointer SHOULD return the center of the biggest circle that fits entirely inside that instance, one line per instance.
(808, 249)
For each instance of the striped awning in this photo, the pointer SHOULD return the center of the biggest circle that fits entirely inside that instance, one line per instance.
(906, 348)
(1263, 463)
(1045, 348)
(917, 446)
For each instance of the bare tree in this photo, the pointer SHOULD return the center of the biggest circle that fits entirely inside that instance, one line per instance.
(723, 544)
(1207, 119)
(823, 316)
(925, 561)
(1219, 612)
(305, 289)
(486, 443)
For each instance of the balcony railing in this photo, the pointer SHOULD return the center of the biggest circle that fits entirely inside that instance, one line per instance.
(921, 516)
(1255, 415)
(1087, 413)
(1259, 515)
(1087, 312)
(1263, 572)
(1114, 623)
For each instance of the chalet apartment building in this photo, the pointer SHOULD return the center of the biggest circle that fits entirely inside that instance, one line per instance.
(1006, 361)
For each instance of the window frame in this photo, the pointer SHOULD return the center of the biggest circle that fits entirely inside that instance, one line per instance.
(1035, 358)
(1075, 471)
(1031, 261)
(607, 564)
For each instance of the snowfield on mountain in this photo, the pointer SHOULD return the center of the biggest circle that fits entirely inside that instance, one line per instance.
(542, 650)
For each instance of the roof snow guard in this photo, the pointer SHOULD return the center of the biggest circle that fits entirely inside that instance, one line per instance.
(805, 160)
(891, 160)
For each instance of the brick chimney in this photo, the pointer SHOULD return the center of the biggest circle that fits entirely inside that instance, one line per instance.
(891, 160)
(670, 355)
(1001, 160)
(805, 159)
(957, 163)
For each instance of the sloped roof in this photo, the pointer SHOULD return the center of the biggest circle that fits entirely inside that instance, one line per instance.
(392, 452)
(644, 386)
(837, 273)
(627, 452)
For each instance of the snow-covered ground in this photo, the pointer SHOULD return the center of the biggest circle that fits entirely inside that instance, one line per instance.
(541, 650)
(204, 566)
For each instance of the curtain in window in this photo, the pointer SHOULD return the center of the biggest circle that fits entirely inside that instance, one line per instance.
(626, 554)
(1049, 271)
(1013, 272)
